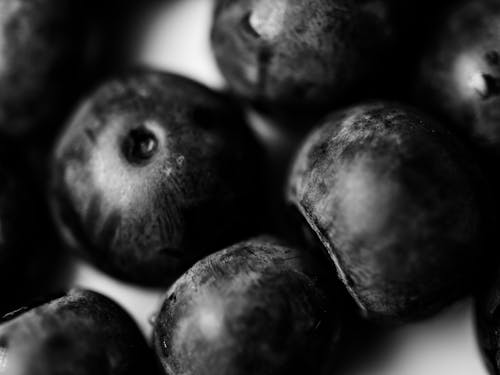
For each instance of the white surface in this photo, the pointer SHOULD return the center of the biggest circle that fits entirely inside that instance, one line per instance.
(177, 40)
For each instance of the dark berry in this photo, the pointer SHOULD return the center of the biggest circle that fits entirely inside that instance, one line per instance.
(395, 200)
(80, 333)
(153, 172)
(258, 307)
(300, 54)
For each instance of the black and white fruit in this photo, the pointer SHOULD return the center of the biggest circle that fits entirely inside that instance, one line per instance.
(153, 172)
(258, 307)
(80, 333)
(397, 205)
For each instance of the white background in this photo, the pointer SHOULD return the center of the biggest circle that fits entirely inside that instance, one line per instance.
(176, 39)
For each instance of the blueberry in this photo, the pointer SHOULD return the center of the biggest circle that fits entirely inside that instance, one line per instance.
(397, 204)
(154, 171)
(44, 57)
(300, 54)
(460, 72)
(258, 307)
(80, 333)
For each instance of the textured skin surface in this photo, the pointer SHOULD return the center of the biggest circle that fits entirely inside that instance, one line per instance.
(145, 221)
(393, 199)
(460, 73)
(258, 307)
(299, 53)
(42, 59)
(82, 333)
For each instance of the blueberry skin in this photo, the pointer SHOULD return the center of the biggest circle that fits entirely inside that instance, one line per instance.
(396, 202)
(300, 54)
(460, 73)
(44, 58)
(153, 172)
(80, 333)
(258, 307)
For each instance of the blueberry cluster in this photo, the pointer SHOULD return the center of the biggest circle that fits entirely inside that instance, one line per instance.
(382, 211)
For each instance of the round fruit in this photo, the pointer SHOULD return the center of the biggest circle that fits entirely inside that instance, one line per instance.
(258, 307)
(395, 202)
(81, 333)
(300, 53)
(460, 74)
(153, 172)
(43, 55)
